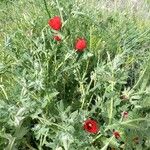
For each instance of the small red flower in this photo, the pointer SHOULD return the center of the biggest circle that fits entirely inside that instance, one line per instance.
(125, 114)
(116, 134)
(55, 23)
(91, 126)
(80, 44)
(57, 38)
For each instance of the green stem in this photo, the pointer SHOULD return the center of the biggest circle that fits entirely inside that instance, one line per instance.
(11, 144)
(97, 137)
(83, 94)
(44, 121)
(111, 105)
(107, 144)
(112, 99)
(111, 110)
(60, 11)
(139, 80)
(3, 90)
(29, 146)
(125, 122)
(46, 8)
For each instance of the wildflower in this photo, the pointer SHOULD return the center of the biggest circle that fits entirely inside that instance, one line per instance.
(80, 44)
(91, 126)
(125, 114)
(116, 134)
(57, 38)
(55, 23)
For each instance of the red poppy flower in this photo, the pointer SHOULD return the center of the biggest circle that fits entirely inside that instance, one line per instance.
(57, 38)
(125, 114)
(116, 134)
(55, 23)
(91, 126)
(80, 44)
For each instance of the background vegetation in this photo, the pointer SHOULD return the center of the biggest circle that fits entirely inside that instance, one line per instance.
(47, 90)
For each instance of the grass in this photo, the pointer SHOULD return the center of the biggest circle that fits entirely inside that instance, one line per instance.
(47, 90)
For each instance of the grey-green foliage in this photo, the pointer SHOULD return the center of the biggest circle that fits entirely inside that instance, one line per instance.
(47, 90)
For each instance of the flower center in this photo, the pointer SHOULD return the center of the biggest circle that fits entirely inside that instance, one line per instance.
(89, 126)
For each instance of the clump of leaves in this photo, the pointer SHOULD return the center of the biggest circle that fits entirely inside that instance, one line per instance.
(49, 89)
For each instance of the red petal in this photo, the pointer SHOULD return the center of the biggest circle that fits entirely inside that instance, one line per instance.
(116, 134)
(80, 44)
(91, 126)
(57, 38)
(55, 23)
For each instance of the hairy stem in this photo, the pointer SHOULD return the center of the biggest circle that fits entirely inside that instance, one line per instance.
(46, 8)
